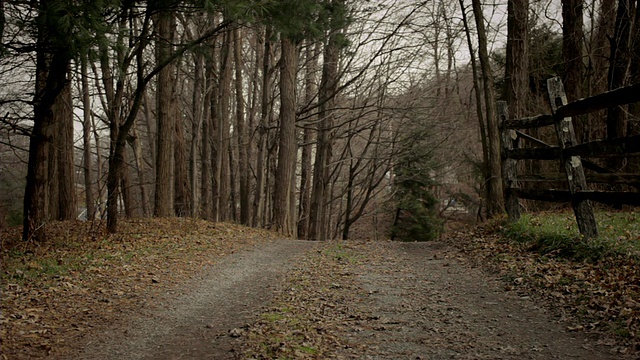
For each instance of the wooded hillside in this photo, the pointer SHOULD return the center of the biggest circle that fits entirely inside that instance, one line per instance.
(315, 118)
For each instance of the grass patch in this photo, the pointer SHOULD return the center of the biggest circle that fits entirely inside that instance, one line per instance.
(557, 233)
(309, 350)
(272, 316)
(340, 252)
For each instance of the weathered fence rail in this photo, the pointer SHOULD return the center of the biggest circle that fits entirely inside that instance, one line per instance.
(570, 154)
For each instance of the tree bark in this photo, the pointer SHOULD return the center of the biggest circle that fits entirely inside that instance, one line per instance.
(243, 144)
(633, 124)
(140, 169)
(86, 138)
(165, 115)
(572, 56)
(258, 200)
(619, 63)
(67, 198)
(517, 65)
(205, 151)
(51, 70)
(222, 135)
(100, 203)
(283, 219)
(181, 203)
(197, 111)
(233, 182)
(126, 188)
(53, 180)
(516, 88)
(311, 54)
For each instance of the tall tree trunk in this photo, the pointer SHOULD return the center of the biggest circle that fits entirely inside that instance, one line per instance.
(258, 200)
(479, 111)
(328, 86)
(67, 198)
(151, 132)
(181, 204)
(310, 91)
(213, 125)
(517, 65)
(572, 56)
(495, 202)
(633, 124)
(165, 115)
(51, 69)
(126, 189)
(253, 92)
(287, 147)
(140, 169)
(619, 63)
(53, 181)
(349, 204)
(272, 163)
(214, 132)
(243, 144)
(96, 137)
(516, 76)
(205, 152)
(197, 111)
(223, 130)
(233, 184)
(86, 139)
(205, 167)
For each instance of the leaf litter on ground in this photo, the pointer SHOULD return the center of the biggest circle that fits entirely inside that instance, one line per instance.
(601, 298)
(54, 293)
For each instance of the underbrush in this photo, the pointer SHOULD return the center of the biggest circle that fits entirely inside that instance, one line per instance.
(557, 233)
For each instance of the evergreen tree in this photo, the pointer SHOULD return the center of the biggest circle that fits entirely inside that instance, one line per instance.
(416, 217)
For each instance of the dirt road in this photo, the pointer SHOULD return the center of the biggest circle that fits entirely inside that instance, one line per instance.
(430, 304)
(194, 321)
(380, 300)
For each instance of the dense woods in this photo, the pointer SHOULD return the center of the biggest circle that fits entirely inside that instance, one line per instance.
(314, 118)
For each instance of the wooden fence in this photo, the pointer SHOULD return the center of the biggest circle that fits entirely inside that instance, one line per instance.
(570, 153)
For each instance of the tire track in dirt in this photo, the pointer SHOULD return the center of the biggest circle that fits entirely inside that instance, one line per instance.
(194, 322)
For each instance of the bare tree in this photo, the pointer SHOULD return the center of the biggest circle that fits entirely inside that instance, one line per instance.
(495, 201)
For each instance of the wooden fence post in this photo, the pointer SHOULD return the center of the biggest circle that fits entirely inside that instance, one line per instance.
(509, 166)
(572, 164)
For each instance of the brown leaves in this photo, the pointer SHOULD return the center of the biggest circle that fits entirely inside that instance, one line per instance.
(55, 293)
(600, 297)
(311, 311)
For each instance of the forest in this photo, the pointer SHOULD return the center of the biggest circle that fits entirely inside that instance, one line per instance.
(318, 119)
